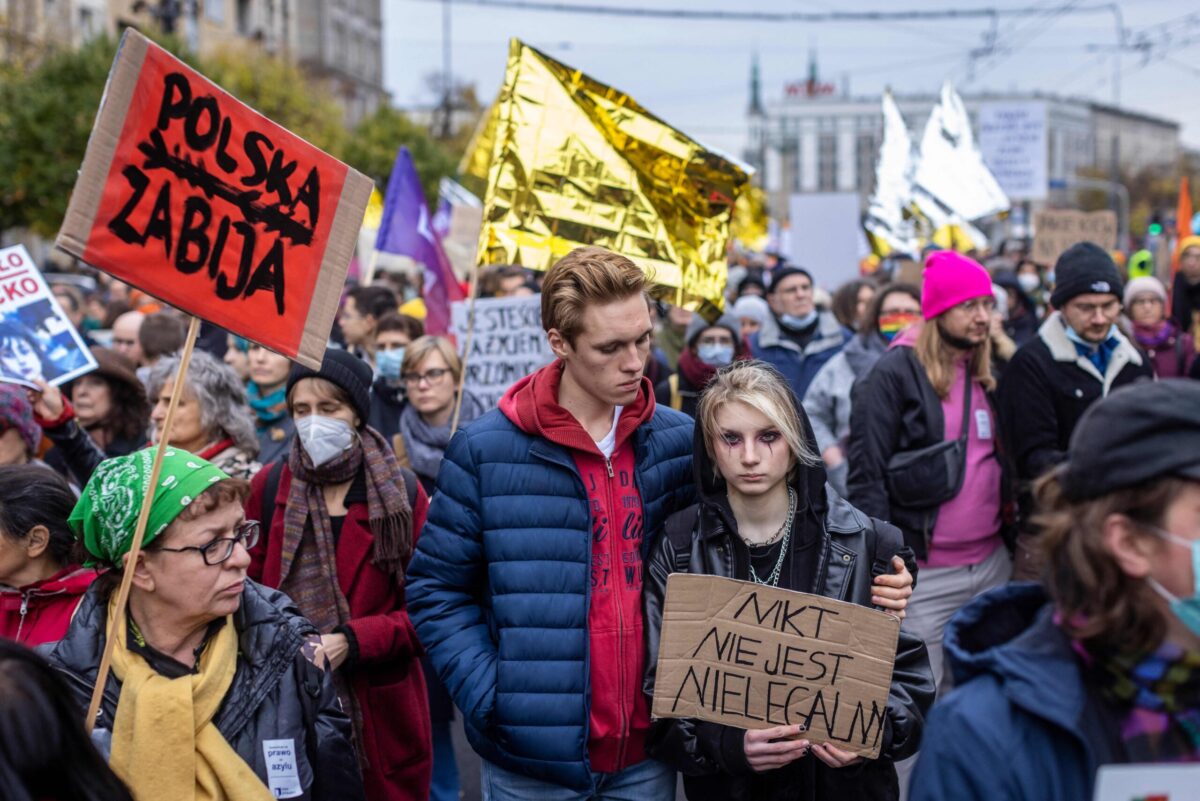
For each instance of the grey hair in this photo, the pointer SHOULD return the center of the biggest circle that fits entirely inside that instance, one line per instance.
(220, 393)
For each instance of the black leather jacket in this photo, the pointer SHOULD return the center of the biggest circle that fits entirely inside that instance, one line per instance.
(277, 693)
(853, 549)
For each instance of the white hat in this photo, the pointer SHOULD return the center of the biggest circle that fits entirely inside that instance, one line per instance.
(1143, 284)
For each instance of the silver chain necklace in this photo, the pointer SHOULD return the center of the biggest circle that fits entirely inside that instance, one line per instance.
(773, 579)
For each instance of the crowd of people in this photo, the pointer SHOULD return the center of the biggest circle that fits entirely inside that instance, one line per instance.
(339, 561)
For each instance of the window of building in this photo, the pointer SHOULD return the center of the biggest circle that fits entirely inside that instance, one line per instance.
(826, 162)
(214, 11)
(87, 23)
(866, 151)
(244, 21)
(339, 45)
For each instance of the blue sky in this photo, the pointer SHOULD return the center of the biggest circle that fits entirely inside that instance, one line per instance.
(696, 74)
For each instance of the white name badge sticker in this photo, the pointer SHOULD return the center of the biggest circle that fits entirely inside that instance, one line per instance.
(283, 775)
(1148, 782)
(983, 424)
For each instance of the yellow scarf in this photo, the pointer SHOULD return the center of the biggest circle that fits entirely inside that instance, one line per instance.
(164, 743)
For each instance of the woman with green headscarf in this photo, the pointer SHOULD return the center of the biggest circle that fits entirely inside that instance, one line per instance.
(218, 688)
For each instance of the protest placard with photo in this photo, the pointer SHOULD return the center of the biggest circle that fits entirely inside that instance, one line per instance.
(37, 341)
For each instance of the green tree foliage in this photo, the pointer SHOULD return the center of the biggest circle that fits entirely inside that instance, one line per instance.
(47, 111)
(371, 149)
(46, 115)
(278, 90)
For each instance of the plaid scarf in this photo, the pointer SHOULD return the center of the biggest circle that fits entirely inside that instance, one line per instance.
(1161, 693)
(309, 553)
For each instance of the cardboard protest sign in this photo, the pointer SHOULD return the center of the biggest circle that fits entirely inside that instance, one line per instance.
(197, 199)
(1055, 230)
(754, 657)
(508, 343)
(36, 338)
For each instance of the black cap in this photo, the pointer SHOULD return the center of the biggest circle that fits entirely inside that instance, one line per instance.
(1136, 434)
(1085, 268)
(780, 273)
(345, 370)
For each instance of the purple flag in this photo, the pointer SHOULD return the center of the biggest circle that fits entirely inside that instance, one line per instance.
(405, 230)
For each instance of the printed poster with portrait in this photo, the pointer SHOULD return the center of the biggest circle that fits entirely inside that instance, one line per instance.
(36, 338)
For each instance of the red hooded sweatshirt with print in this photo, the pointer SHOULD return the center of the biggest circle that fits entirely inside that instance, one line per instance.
(620, 716)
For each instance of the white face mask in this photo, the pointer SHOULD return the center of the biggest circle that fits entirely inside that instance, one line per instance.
(1029, 282)
(324, 438)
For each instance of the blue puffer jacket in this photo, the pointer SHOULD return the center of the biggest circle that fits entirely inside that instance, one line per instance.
(799, 365)
(500, 584)
(1022, 725)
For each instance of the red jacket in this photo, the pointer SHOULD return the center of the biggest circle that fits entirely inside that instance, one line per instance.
(41, 612)
(386, 673)
(620, 716)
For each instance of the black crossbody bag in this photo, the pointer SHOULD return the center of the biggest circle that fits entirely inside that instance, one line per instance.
(930, 476)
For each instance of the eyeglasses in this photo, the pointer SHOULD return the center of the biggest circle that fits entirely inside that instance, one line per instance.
(219, 550)
(987, 304)
(429, 376)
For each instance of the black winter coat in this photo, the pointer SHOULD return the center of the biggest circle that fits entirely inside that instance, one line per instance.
(894, 408)
(277, 693)
(852, 550)
(689, 394)
(1046, 389)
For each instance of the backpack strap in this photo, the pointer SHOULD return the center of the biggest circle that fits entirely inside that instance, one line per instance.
(676, 397)
(678, 530)
(270, 490)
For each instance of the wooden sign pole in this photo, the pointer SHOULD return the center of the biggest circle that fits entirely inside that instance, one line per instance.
(143, 518)
(462, 378)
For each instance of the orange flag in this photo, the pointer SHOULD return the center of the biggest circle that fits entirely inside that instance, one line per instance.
(1183, 219)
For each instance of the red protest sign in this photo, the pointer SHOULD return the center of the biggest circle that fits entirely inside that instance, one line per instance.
(194, 197)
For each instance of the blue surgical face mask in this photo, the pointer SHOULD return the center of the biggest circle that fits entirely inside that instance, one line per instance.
(715, 354)
(792, 321)
(387, 363)
(1186, 609)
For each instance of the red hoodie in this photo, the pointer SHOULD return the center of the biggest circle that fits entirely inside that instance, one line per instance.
(620, 716)
(41, 612)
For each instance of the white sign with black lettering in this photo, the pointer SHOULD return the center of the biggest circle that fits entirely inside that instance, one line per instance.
(283, 776)
(507, 345)
(1012, 141)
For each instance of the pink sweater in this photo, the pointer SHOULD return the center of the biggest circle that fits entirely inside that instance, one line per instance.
(968, 525)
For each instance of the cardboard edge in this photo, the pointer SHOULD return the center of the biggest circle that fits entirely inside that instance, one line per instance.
(102, 144)
(356, 192)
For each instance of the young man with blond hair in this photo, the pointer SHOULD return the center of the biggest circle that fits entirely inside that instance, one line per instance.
(527, 582)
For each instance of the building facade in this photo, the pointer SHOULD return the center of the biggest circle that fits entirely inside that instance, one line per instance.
(337, 42)
(815, 139)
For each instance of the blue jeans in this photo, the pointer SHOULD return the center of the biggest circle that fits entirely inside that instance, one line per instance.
(649, 780)
(445, 769)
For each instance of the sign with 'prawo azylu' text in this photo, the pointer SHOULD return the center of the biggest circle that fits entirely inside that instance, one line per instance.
(194, 197)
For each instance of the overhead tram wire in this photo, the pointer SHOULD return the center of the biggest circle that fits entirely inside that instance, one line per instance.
(726, 15)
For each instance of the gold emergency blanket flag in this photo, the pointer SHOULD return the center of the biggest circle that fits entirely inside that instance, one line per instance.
(575, 162)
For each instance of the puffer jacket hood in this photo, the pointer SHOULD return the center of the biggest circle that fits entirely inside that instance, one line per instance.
(532, 406)
(1009, 634)
(1022, 723)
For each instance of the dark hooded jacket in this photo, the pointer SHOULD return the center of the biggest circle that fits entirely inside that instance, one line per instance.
(851, 549)
(1023, 724)
(277, 693)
